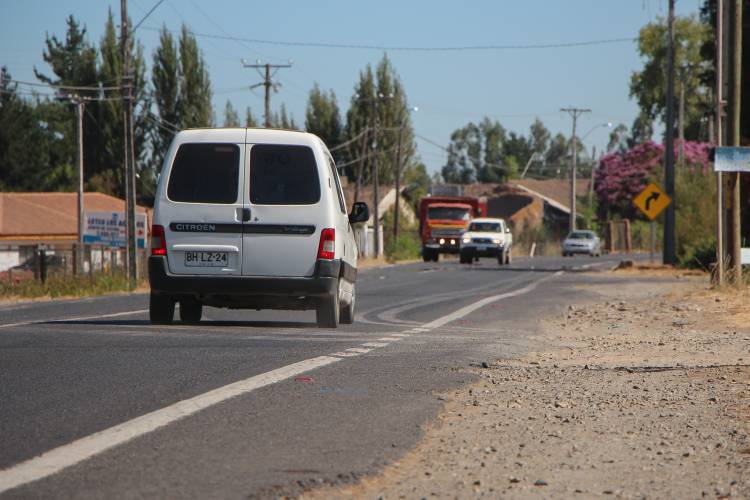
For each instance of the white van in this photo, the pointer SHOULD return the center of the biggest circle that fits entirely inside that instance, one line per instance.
(252, 219)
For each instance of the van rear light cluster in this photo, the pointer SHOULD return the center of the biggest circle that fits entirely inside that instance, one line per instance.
(158, 241)
(327, 246)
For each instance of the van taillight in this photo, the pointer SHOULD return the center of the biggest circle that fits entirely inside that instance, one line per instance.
(158, 241)
(327, 246)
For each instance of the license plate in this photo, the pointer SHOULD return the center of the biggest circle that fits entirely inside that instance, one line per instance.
(481, 248)
(206, 259)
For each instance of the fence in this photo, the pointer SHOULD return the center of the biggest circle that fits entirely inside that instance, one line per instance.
(41, 262)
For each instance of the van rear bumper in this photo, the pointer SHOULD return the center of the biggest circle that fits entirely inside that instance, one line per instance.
(322, 283)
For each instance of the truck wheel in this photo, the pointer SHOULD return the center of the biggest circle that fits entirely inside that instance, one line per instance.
(427, 255)
(435, 256)
(327, 311)
(346, 314)
(191, 311)
(160, 309)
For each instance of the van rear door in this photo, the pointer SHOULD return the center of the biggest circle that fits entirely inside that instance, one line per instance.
(203, 209)
(284, 197)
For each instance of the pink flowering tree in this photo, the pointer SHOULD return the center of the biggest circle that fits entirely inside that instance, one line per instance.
(621, 176)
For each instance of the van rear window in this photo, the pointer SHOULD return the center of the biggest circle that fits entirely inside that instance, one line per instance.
(205, 173)
(283, 175)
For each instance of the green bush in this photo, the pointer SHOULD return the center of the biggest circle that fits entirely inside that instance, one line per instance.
(695, 217)
(66, 286)
(408, 246)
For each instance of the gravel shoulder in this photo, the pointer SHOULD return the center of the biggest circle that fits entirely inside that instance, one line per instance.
(643, 394)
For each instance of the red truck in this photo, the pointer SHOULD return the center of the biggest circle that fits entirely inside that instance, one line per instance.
(442, 219)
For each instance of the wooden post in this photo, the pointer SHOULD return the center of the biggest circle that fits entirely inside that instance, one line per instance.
(628, 236)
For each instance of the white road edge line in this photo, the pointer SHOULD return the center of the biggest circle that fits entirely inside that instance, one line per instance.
(62, 457)
(66, 320)
(55, 460)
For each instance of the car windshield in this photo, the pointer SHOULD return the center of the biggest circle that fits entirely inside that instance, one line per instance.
(448, 213)
(581, 235)
(485, 227)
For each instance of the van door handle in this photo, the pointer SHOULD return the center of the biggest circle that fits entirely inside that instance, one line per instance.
(243, 214)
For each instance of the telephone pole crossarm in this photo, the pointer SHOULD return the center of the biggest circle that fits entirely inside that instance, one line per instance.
(268, 83)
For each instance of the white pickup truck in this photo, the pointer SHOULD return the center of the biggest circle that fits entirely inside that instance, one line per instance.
(486, 237)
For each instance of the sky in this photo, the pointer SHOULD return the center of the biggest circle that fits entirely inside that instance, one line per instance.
(449, 88)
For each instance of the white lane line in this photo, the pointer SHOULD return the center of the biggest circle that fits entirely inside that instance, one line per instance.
(375, 344)
(400, 335)
(358, 350)
(388, 339)
(342, 354)
(66, 320)
(460, 313)
(55, 460)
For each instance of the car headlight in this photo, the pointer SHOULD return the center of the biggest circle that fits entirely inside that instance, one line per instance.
(496, 242)
(442, 241)
(466, 240)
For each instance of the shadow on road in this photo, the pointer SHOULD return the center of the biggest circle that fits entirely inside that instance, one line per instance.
(204, 323)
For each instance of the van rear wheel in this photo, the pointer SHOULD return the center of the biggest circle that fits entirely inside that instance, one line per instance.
(190, 311)
(160, 309)
(327, 311)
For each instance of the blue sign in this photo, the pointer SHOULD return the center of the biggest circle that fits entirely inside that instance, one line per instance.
(109, 229)
(732, 159)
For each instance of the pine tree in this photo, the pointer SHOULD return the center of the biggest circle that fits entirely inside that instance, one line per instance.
(250, 120)
(231, 119)
(165, 78)
(322, 117)
(195, 86)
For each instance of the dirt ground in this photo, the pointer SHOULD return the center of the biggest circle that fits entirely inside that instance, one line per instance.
(645, 394)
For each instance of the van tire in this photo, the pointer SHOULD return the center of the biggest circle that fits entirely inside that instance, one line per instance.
(327, 311)
(160, 309)
(346, 313)
(191, 311)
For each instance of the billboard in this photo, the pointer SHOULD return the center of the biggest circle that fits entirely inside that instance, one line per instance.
(108, 228)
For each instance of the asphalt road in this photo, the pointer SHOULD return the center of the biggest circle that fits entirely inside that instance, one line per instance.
(97, 403)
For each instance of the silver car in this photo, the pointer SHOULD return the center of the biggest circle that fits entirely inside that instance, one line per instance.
(582, 242)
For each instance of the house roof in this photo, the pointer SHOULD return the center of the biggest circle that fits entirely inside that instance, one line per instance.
(554, 191)
(50, 214)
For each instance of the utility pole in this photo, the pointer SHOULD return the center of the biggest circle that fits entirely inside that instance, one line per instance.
(681, 120)
(398, 182)
(375, 181)
(718, 142)
(574, 113)
(734, 127)
(267, 82)
(669, 218)
(79, 129)
(128, 149)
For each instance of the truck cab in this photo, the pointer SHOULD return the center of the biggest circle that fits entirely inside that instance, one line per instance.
(442, 221)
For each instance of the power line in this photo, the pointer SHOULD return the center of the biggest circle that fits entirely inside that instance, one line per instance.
(407, 48)
(64, 87)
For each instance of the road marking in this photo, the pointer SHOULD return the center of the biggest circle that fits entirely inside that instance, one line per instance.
(359, 350)
(343, 354)
(400, 335)
(460, 313)
(55, 460)
(58, 459)
(389, 339)
(66, 320)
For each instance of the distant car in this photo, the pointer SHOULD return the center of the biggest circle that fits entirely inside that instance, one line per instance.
(486, 237)
(586, 242)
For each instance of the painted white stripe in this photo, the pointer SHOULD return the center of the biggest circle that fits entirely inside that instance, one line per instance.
(401, 335)
(359, 350)
(343, 354)
(389, 339)
(375, 344)
(80, 318)
(460, 313)
(70, 454)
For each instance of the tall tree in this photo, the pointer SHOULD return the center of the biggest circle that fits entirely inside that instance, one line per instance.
(73, 62)
(109, 177)
(194, 103)
(322, 116)
(165, 78)
(231, 118)
(649, 85)
(250, 120)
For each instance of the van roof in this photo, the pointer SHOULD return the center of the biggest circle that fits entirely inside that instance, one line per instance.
(249, 135)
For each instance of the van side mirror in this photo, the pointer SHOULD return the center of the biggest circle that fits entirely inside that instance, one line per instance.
(507, 229)
(359, 213)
